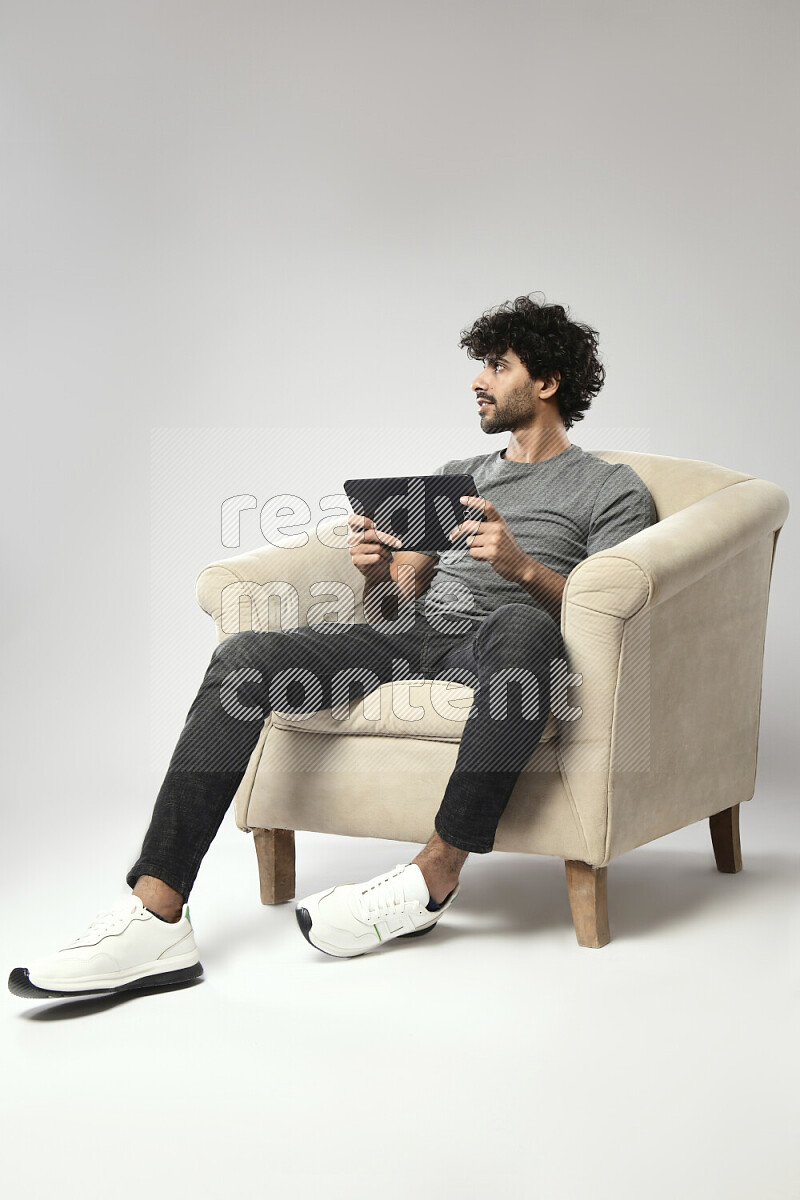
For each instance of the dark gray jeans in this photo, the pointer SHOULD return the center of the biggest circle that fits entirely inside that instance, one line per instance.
(245, 679)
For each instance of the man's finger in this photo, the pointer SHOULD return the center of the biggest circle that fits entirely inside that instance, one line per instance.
(368, 533)
(383, 539)
(477, 502)
(466, 527)
(371, 555)
(359, 521)
(387, 538)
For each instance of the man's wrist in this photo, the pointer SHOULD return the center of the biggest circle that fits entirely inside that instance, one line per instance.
(529, 575)
(373, 581)
(387, 601)
(538, 581)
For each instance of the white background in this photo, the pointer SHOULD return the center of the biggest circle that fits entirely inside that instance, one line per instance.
(266, 224)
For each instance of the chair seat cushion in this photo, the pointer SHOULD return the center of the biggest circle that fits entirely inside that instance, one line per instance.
(408, 708)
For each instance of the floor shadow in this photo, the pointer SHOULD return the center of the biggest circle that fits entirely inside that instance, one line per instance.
(63, 1009)
(520, 895)
(254, 929)
(646, 891)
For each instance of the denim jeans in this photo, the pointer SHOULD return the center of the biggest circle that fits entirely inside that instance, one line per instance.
(245, 679)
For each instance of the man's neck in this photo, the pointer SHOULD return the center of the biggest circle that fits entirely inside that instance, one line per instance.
(536, 445)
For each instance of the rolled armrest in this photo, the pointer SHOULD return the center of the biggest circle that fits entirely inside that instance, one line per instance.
(654, 564)
(302, 571)
(256, 566)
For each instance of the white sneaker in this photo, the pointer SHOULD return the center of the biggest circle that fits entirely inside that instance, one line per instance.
(123, 948)
(354, 918)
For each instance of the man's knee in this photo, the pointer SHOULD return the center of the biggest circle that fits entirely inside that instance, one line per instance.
(518, 647)
(514, 629)
(244, 648)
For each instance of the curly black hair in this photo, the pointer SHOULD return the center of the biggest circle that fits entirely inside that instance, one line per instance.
(545, 340)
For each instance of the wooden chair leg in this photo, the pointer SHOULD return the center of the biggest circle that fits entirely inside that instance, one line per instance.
(725, 840)
(275, 853)
(588, 899)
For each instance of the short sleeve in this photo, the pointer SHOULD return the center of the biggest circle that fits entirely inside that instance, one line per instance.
(622, 507)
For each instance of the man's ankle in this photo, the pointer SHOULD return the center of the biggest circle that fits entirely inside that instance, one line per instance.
(441, 865)
(439, 890)
(159, 898)
(439, 882)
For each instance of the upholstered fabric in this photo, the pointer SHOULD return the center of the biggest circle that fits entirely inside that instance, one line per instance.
(659, 722)
(430, 710)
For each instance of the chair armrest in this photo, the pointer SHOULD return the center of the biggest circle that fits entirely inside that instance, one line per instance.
(665, 634)
(655, 564)
(301, 577)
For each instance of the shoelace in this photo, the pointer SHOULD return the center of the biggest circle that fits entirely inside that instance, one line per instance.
(106, 921)
(382, 896)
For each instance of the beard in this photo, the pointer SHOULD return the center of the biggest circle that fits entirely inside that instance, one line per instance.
(516, 409)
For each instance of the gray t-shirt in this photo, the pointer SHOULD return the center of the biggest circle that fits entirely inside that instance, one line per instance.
(559, 510)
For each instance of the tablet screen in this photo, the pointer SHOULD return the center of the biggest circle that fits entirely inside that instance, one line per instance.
(419, 509)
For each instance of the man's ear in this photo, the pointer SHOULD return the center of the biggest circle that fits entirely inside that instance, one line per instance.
(551, 385)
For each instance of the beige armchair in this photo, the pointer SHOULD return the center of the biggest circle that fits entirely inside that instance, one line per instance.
(657, 725)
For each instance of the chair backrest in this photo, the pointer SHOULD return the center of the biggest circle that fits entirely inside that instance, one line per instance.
(674, 483)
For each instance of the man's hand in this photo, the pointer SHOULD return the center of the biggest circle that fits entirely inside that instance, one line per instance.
(492, 541)
(369, 548)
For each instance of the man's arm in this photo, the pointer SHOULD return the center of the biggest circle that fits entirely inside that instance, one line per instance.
(406, 573)
(544, 585)
(405, 583)
(622, 507)
(492, 541)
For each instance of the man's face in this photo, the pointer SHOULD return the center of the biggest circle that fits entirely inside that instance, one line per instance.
(507, 396)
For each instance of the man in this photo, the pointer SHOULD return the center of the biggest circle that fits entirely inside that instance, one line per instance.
(490, 613)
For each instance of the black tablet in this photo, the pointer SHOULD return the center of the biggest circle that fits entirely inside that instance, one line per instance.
(419, 509)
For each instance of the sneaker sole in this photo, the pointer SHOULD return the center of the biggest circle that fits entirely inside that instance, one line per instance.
(19, 983)
(305, 922)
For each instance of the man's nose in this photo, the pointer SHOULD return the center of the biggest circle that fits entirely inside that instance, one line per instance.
(478, 382)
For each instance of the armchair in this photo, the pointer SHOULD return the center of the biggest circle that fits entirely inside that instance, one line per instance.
(664, 636)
